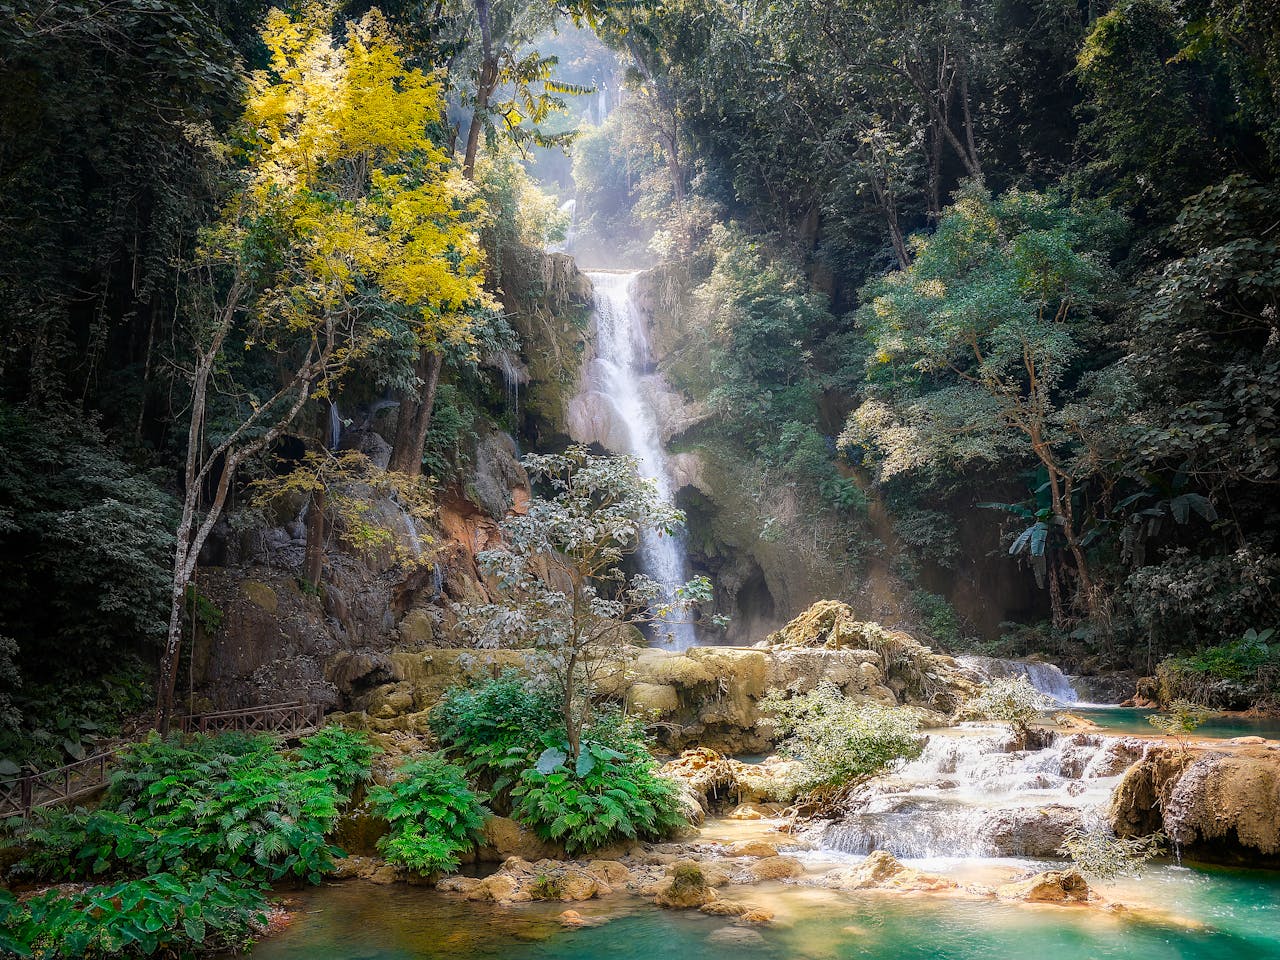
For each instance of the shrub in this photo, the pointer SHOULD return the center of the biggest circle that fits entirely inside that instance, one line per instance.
(495, 728)
(607, 795)
(840, 741)
(433, 814)
(1101, 854)
(229, 803)
(1011, 699)
(342, 756)
(1179, 720)
(163, 913)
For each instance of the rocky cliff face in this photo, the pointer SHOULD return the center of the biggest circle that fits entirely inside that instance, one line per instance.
(268, 638)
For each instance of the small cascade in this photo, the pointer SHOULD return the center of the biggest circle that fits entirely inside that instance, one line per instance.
(617, 374)
(1045, 677)
(973, 793)
(335, 425)
(415, 544)
(437, 581)
(570, 207)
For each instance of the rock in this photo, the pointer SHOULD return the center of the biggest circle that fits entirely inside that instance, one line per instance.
(610, 872)
(755, 811)
(882, 871)
(385, 874)
(739, 936)
(501, 888)
(572, 918)
(752, 848)
(463, 885)
(504, 838)
(1053, 886)
(1137, 802)
(1030, 831)
(776, 868)
(656, 699)
(757, 916)
(1248, 741)
(724, 908)
(713, 873)
(417, 629)
(688, 889)
(1228, 804)
(580, 885)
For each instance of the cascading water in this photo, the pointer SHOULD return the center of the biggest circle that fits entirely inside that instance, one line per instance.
(335, 425)
(617, 374)
(972, 793)
(1045, 677)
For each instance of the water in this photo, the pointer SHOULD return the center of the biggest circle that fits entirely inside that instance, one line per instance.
(1220, 727)
(335, 425)
(618, 376)
(1045, 677)
(1226, 915)
(972, 793)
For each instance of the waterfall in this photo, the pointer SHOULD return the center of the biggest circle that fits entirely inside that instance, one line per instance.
(412, 527)
(622, 355)
(570, 207)
(1045, 677)
(335, 425)
(971, 793)
(509, 365)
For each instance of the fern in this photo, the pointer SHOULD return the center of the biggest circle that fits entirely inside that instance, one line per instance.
(434, 816)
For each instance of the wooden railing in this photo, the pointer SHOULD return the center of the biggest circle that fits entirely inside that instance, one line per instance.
(50, 788)
(283, 719)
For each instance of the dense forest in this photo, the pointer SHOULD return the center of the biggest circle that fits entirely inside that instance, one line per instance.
(967, 311)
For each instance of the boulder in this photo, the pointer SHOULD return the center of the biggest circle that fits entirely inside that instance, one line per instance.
(882, 871)
(687, 889)
(504, 838)
(776, 868)
(1030, 831)
(756, 849)
(1053, 886)
(1228, 803)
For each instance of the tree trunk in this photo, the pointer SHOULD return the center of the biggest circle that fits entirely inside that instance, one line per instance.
(415, 417)
(486, 83)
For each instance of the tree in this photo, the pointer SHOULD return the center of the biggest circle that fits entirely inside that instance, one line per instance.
(974, 349)
(348, 227)
(564, 591)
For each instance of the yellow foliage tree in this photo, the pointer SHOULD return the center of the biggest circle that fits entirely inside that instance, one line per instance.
(347, 227)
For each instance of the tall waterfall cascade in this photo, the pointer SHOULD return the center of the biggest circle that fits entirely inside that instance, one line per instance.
(614, 409)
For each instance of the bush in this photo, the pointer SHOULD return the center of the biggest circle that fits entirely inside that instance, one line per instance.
(840, 741)
(1180, 719)
(230, 803)
(433, 814)
(1011, 699)
(343, 757)
(605, 796)
(496, 728)
(163, 913)
(1103, 855)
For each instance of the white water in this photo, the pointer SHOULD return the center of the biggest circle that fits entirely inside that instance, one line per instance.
(617, 374)
(1045, 677)
(971, 793)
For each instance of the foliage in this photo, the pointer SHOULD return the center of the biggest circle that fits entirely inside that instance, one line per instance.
(165, 913)
(495, 728)
(341, 756)
(1104, 856)
(608, 793)
(229, 803)
(1011, 699)
(433, 815)
(841, 741)
(564, 590)
(1179, 719)
(89, 535)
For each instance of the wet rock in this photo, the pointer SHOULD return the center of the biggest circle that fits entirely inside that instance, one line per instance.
(752, 848)
(1053, 886)
(610, 873)
(882, 871)
(755, 811)
(713, 873)
(1137, 802)
(756, 916)
(687, 889)
(724, 908)
(1030, 831)
(572, 918)
(776, 868)
(1228, 802)
(737, 936)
